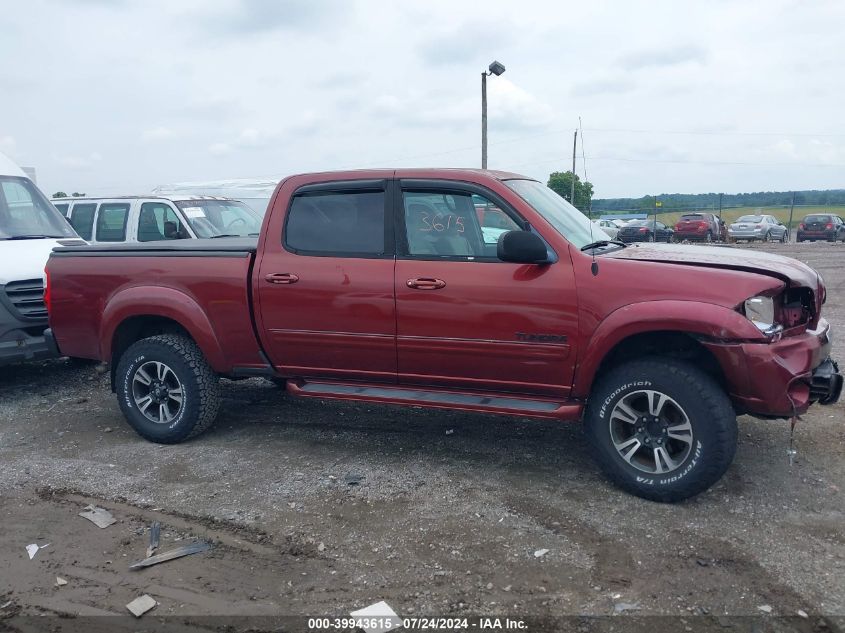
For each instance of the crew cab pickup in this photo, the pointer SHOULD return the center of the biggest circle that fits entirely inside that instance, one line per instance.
(461, 289)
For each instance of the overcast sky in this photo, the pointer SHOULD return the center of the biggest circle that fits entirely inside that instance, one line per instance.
(117, 96)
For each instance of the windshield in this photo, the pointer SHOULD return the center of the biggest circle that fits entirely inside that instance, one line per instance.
(692, 216)
(817, 218)
(641, 223)
(214, 218)
(751, 218)
(26, 214)
(566, 219)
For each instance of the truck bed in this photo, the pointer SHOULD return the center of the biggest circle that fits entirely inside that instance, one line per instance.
(94, 288)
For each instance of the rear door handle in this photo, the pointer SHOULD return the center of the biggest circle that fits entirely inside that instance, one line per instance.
(281, 278)
(426, 283)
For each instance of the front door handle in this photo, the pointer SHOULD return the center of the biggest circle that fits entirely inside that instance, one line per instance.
(426, 283)
(281, 278)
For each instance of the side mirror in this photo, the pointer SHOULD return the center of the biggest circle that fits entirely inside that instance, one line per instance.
(522, 247)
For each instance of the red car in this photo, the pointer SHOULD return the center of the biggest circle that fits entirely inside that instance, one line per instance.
(702, 227)
(384, 286)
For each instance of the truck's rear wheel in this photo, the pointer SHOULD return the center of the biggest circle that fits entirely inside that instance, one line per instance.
(661, 429)
(166, 389)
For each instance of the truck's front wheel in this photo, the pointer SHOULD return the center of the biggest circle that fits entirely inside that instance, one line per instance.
(661, 428)
(166, 389)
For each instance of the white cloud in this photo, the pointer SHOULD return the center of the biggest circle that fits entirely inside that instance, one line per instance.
(156, 134)
(251, 87)
(8, 145)
(75, 161)
(219, 149)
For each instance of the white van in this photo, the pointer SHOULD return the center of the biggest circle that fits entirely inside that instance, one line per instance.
(29, 229)
(155, 218)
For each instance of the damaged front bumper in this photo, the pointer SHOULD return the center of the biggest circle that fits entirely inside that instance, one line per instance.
(783, 378)
(826, 383)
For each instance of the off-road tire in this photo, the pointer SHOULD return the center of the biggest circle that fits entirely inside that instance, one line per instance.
(200, 387)
(711, 416)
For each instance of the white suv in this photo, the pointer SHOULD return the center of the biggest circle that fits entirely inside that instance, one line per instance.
(155, 218)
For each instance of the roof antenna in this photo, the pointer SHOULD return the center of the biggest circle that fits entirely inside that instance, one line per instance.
(594, 266)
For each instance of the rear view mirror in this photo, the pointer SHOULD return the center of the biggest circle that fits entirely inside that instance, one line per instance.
(522, 247)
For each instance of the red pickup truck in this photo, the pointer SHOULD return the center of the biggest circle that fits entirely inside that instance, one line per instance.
(460, 289)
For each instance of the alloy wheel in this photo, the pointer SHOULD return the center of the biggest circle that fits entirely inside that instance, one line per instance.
(157, 392)
(651, 431)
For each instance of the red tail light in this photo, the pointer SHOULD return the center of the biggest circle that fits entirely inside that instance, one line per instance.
(801, 226)
(643, 230)
(829, 226)
(758, 226)
(702, 224)
(47, 289)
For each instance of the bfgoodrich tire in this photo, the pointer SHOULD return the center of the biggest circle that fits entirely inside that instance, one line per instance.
(166, 389)
(661, 429)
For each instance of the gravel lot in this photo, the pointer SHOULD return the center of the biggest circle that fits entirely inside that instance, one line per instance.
(320, 508)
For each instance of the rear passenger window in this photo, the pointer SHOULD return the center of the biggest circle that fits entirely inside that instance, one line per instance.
(82, 219)
(337, 223)
(62, 208)
(111, 222)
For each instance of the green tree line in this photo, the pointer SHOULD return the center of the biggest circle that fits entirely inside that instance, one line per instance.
(823, 197)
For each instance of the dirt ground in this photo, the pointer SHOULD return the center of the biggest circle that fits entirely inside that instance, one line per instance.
(319, 508)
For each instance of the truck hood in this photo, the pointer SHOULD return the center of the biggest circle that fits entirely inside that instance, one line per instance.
(790, 270)
(26, 259)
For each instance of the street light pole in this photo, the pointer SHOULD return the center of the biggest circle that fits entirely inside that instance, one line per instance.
(484, 120)
(497, 69)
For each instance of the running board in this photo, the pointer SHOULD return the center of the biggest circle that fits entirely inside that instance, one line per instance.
(467, 401)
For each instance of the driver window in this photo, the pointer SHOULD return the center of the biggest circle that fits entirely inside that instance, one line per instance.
(157, 221)
(453, 224)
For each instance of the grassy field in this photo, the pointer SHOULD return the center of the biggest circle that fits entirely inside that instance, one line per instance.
(781, 213)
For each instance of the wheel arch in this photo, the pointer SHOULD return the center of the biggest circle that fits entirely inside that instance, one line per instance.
(139, 312)
(660, 328)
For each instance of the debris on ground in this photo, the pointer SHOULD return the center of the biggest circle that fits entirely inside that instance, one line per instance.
(155, 536)
(765, 608)
(179, 552)
(32, 549)
(139, 606)
(379, 614)
(450, 431)
(321, 547)
(100, 517)
(540, 552)
(622, 607)
(802, 613)
(353, 479)
(60, 582)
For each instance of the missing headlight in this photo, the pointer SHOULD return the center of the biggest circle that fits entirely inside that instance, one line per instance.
(761, 312)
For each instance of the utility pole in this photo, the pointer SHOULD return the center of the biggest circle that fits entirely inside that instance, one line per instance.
(720, 208)
(791, 209)
(484, 120)
(497, 69)
(572, 190)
